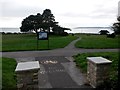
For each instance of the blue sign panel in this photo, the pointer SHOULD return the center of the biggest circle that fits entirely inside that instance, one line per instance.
(42, 36)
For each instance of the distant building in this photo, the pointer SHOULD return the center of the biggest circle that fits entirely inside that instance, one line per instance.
(119, 8)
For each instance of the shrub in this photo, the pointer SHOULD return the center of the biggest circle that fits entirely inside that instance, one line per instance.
(64, 34)
(111, 35)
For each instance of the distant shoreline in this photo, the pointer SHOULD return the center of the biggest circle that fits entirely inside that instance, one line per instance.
(93, 30)
(90, 27)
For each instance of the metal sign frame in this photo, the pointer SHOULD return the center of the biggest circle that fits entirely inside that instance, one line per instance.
(42, 36)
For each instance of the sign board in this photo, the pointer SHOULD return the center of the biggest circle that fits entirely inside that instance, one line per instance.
(42, 36)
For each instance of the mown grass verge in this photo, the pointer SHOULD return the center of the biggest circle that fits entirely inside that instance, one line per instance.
(19, 42)
(0, 73)
(97, 41)
(8, 74)
(81, 62)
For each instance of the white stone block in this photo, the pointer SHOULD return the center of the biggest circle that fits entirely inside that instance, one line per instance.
(98, 60)
(27, 66)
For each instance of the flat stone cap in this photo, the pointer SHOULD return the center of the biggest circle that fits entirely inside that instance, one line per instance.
(27, 66)
(99, 60)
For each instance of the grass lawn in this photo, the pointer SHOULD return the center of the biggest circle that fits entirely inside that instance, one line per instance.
(8, 74)
(81, 62)
(14, 42)
(97, 41)
(0, 73)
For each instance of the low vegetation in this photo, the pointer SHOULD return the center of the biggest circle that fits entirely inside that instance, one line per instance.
(17, 42)
(81, 62)
(0, 73)
(97, 41)
(8, 74)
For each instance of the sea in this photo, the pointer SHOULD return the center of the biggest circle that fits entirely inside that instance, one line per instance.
(91, 30)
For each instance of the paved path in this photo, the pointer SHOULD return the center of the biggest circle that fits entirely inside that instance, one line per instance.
(57, 67)
(68, 51)
(58, 72)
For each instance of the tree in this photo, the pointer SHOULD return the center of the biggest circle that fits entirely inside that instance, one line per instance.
(59, 30)
(116, 26)
(103, 32)
(31, 23)
(44, 22)
(48, 20)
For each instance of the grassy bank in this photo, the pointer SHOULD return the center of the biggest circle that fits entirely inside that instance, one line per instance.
(14, 42)
(0, 73)
(97, 41)
(81, 62)
(8, 74)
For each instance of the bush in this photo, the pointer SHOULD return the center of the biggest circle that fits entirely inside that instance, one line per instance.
(110, 84)
(106, 85)
(111, 35)
(64, 34)
(51, 33)
(3, 32)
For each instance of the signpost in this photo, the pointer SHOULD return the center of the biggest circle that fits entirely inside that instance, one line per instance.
(42, 36)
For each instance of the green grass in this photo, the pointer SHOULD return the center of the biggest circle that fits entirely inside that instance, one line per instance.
(13, 42)
(97, 41)
(8, 74)
(0, 73)
(81, 62)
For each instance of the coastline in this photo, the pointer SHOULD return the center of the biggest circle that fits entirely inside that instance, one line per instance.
(91, 30)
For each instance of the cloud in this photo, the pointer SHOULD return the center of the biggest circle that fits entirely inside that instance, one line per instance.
(12, 9)
(104, 12)
(119, 9)
(20, 12)
(10, 21)
(67, 12)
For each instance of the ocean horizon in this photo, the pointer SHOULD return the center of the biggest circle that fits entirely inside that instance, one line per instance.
(94, 30)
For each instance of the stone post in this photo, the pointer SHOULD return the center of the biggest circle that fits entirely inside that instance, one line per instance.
(27, 75)
(98, 70)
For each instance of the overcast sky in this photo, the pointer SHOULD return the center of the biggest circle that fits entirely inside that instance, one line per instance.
(69, 13)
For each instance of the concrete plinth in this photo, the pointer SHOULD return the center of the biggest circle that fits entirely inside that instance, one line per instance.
(98, 70)
(27, 74)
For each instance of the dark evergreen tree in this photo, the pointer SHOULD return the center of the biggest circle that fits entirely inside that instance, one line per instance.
(116, 26)
(59, 30)
(31, 23)
(44, 22)
(48, 20)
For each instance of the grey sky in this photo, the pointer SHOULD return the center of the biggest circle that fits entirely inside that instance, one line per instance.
(119, 9)
(69, 13)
